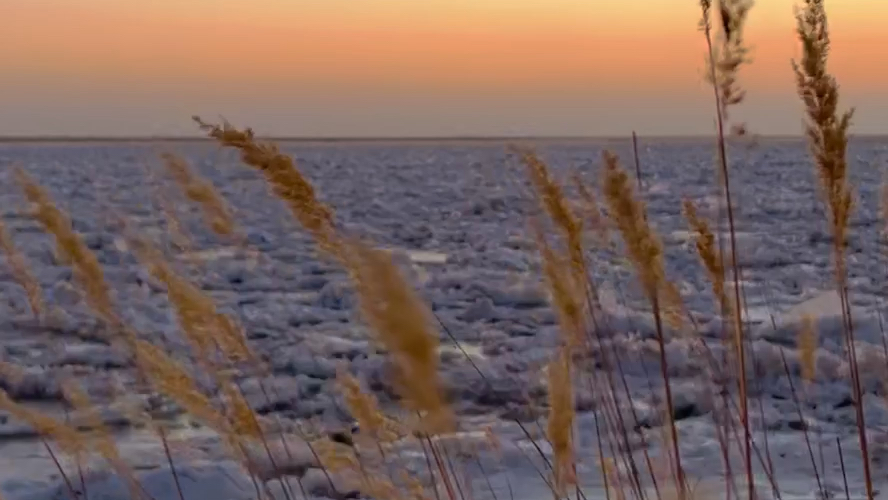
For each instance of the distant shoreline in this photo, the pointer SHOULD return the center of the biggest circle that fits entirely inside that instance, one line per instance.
(383, 140)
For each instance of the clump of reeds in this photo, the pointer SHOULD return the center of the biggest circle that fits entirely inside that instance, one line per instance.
(216, 211)
(21, 273)
(386, 300)
(646, 253)
(826, 129)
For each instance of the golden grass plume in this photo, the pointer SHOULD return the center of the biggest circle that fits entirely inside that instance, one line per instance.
(286, 181)
(365, 409)
(826, 128)
(592, 211)
(216, 210)
(560, 423)
(85, 264)
(21, 272)
(807, 345)
(629, 215)
(402, 323)
(209, 331)
(708, 251)
(68, 439)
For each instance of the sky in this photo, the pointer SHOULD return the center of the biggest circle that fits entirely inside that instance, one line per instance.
(402, 68)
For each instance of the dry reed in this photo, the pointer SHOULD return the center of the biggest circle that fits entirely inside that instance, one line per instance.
(402, 323)
(21, 273)
(286, 181)
(386, 301)
(827, 132)
(210, 332)
(645, 251)
(560, 422)
(365, 409)
(100, 437)
(807, 346)
(597, 223)
(216, 211)
(725, 57)
(86, 266)
(174, 381)
(708, 251)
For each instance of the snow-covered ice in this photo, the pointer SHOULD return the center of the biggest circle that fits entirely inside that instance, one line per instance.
(455, 217)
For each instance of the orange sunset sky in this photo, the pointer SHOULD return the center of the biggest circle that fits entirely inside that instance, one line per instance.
(409, 67)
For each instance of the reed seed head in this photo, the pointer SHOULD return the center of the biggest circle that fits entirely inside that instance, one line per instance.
(825, 127)
(629, 214)
(286, 181)
(807, 345)
(216, 211)
(708, 251)
(69, 244)
(21, 272)
(401, 322)
(68, 439)
(560, 423)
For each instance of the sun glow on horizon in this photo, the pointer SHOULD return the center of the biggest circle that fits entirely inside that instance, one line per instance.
(214, 52)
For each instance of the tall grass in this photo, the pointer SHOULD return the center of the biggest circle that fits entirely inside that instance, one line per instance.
(826, 129)
(207, 388)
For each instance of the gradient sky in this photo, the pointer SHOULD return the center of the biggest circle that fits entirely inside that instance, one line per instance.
(409, 67)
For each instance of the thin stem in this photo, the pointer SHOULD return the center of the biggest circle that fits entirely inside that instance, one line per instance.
(738, 324)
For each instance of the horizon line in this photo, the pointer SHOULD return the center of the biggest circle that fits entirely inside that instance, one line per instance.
(6, 139)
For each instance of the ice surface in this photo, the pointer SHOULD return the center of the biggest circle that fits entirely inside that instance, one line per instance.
(455, 217)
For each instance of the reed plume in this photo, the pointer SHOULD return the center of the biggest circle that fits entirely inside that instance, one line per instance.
(216, 210)
(825, 128)
(21, 273)
(209, 331)
(169, 378)
(68, 439)
(629, 215)
(565, 294)
(179, 237)
(86, 266)
(646, 253)
(560, 422)
(365, 409)
(709, 253)
(807, 345)
(725, 56)
(100, 438)
(286, 181)
(592, 211)
(827, 132)
(401, 322)
(554, 203)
